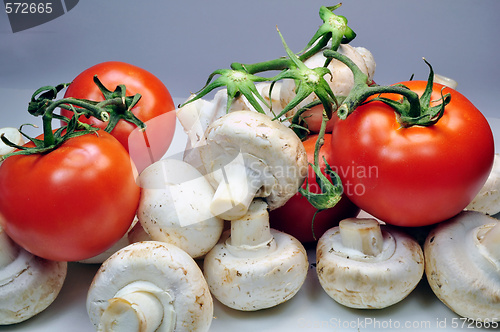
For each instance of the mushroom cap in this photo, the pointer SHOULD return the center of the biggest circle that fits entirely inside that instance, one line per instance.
(488, 199)
(462, 277)
(272, 153)
(175, 207)
(358, 281)
(13, 135)
(254, 283)
(164, 265)
(28, 284)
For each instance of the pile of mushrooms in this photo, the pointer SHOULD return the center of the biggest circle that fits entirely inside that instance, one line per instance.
(361, 264)
(255, 164)
(28, 284)
(462, 265)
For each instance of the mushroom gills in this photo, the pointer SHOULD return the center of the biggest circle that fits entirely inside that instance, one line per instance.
(150, 286)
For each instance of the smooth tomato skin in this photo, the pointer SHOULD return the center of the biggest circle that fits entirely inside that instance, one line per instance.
(72, 203)
(314, 117)
(295, 217)
(155, 107)
(413, 176)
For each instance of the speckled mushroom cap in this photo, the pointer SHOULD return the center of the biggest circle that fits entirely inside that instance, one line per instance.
(461, 270)
(28, 284)
(175, 207)
(272, 153)
(361, 281)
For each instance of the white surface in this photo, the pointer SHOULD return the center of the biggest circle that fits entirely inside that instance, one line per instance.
(310, 310)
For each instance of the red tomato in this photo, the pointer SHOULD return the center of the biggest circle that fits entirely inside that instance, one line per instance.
(154, 108)
(296, 216)
(71, 203)
(314, 117)
(417, 175)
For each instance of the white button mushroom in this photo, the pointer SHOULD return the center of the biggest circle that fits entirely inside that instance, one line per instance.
(150, 286)
(248, 155)
(361, 264)
(28, 284)
(175, 207)
(14, 136)
(462, 265)
(255, 267)
(488, 198)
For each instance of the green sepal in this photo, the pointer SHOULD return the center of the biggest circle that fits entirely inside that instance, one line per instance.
(309, 81)
(426, 114)
(331, 191)
(237, 82)
(118, 105)
(334, 27)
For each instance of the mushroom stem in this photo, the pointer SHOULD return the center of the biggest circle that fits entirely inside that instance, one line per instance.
(140, 306)
(363, 235)
(253, 229)
(490, 239)
(235, 193)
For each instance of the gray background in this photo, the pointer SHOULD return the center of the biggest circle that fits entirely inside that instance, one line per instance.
(181, 42)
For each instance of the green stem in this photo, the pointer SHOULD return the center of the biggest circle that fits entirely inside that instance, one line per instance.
(86, 107)
(321, 138)
(115, 107)
(279, 63)
(412, 109)
(48, 135)
(361, 92)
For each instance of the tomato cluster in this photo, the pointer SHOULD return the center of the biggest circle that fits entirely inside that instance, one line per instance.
(77, 200)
